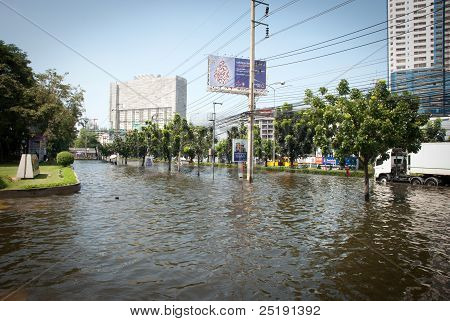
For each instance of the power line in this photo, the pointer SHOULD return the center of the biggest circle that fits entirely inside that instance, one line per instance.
(292, 52)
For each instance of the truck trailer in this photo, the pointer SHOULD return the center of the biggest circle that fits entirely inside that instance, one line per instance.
(429, 166)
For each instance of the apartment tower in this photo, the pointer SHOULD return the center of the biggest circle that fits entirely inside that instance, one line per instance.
(419, 52)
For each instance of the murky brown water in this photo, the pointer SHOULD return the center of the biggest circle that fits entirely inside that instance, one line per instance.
(182, 237)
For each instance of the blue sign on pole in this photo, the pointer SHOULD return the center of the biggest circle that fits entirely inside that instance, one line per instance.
(235, 73)
(239, 150)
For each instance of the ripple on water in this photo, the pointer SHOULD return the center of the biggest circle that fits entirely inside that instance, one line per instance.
(178, 236)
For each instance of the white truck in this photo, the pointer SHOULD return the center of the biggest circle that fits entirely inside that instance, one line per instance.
(429, 166)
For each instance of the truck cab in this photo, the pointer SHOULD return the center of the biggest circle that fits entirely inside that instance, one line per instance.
(394, 168)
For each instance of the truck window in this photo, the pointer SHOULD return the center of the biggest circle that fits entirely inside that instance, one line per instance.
(379, 162)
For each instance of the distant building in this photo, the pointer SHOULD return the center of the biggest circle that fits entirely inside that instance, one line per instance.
(83, 153)
(104, 138)
(419, 52)
(264, 119)
(146, 97)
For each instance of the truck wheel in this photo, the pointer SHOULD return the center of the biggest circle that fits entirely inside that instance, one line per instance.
(431, 181)
(383, 179)
(416, 181)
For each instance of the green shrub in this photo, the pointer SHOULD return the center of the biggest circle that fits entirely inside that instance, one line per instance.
(64, 159)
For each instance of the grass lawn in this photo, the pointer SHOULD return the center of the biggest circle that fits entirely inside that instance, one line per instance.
(50, 176)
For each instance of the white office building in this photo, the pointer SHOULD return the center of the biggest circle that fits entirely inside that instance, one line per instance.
(146, 98)
(419, 52)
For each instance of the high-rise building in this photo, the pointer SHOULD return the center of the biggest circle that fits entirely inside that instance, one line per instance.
(146, 98)
(264, 119)
(419, 52)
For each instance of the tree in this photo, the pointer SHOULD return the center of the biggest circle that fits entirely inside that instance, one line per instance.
(189, 152)
(122, 147)
(16, 103)
(221, 150)
(267, 150)
(86, 138)
(257, 142)
(135, 141)
(433, 131)
(152, 137)
(294, 132)
(202, 138)
(168, 145)
(367, 125)
(180, 131)
(106, 149)
(60, 107)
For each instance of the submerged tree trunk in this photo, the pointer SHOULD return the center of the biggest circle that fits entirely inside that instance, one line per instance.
(179, 159)
(170, 163)
(126, 160)
(198, 165)
(366, 179)
(143, 161)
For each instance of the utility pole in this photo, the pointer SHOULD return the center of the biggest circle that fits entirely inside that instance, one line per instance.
(213, 151)
(251, 84)
(251, 96)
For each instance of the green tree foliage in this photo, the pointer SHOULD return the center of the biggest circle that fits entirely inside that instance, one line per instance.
(106, 149)
(221, 151)
(122, 147)
(365, 124)
(152, 135)
(136, 141)
(169, 143)
(294, 132)
(201, 142)
(86, 139)
(31, 105)
(433, 131)
(60, 108)
(267, 150)
(180, 130)
(16, 103)
(257, 143)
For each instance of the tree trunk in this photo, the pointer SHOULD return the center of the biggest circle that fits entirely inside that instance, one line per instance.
(126, 160)
(265, 162)
(198, 165)
(179, 159)
(170, 163)
(366, 180)
(143, 161)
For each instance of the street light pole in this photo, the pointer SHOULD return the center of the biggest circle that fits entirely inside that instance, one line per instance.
(213, 151)
(274, 114)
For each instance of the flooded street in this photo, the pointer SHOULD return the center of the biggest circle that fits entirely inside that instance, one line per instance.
(177, 236)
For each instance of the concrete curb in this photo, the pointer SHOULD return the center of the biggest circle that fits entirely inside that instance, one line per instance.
(36, 192)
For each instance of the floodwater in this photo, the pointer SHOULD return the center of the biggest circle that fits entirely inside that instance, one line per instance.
(177, 236)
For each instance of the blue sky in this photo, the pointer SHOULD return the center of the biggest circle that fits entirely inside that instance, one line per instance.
(128, 38)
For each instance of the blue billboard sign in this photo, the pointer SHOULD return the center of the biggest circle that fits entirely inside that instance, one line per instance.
(239, 150)
(229, 72)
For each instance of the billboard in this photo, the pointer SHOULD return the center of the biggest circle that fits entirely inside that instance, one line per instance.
(239, 150)
(228, 74)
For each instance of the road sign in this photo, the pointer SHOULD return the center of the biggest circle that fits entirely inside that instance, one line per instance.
(239, 150)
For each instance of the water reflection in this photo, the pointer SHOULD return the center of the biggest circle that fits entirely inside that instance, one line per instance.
(182, 237)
